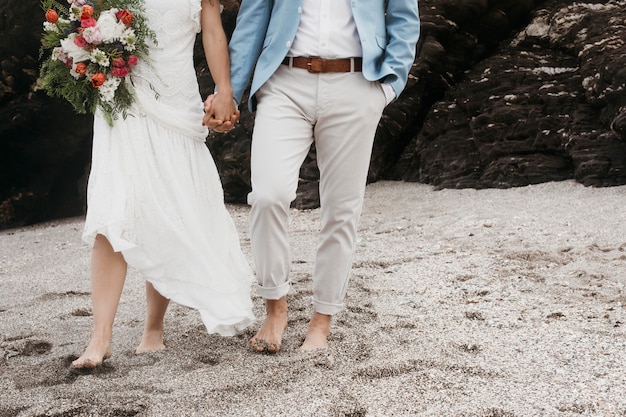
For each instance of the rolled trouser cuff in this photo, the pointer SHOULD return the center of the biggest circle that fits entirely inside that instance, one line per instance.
(326, 308)
(273, 293)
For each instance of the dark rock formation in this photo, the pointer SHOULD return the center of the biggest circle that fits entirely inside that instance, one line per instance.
(503, 93)
(549, 105)
(44, 147)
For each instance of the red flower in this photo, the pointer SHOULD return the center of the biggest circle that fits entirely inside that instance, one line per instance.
(80, 41)
(120, 72)
(132, 60)
(88, 23)
(98, 79)
(52, 16)
(118, 62)
(81, 68)
(86, 12)
(125, 16)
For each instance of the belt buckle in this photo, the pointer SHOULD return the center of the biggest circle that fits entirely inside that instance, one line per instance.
(314, 64)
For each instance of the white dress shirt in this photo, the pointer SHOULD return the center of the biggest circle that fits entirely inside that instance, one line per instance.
(327, 29)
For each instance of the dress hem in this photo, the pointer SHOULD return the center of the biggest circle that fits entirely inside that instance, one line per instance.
(153, 273)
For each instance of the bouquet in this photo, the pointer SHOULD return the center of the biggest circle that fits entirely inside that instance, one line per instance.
(89, 50)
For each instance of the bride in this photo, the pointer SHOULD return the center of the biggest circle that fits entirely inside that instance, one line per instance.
(154, 198)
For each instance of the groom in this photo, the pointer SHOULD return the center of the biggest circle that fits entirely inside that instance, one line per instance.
(322, 72)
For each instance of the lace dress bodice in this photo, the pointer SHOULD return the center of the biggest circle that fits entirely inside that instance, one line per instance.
(166, 85)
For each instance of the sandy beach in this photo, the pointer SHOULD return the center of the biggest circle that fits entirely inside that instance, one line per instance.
(468, 303)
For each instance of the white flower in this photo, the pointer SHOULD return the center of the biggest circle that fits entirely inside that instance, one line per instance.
(107, 90)
(75, 13)
(109, 26)
(99, 57)
(54, 27)
(50, 27)
(129, 39)
(74, 51)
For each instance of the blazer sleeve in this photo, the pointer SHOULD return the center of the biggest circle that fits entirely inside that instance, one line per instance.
(246, 42)
(403, 31)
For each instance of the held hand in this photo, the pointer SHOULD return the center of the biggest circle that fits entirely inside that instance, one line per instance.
(221, 115)
(225, 110)
(224, 126)
(208, 103)
(209, 114)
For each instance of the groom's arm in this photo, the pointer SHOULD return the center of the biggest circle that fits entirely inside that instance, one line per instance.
(246, 42)
(403, 31)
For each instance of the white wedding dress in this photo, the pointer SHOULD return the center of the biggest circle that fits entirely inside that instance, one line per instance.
(154, 190)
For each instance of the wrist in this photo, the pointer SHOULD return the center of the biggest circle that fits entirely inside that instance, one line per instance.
(225, 91)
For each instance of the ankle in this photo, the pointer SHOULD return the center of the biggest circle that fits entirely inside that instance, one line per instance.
(100, 339)
(321, 320)
(319, 324)
(153, 329)
(276, 307)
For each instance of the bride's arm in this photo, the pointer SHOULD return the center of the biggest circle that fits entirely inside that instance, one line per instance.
(215, 46)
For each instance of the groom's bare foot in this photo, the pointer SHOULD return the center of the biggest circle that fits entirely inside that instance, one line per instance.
(269, 338)
(151, 341)
(97, 351)
(317, 335)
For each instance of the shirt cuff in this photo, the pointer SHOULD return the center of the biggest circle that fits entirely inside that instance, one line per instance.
(390, 94)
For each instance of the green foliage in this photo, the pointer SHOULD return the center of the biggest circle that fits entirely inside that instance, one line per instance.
(54, 5)
(56, 80)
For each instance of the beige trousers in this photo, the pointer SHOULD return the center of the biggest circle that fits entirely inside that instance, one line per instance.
(340, 113)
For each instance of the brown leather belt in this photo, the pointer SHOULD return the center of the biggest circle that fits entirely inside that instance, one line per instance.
(316, 64)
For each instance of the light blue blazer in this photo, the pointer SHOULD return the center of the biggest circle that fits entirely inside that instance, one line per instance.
(389, 30)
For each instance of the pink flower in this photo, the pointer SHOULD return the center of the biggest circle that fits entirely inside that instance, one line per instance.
(120, 72)
(92, 35)
(118, 62)
(132, 60)
(59, 54)
(80, 41)
(88, 23)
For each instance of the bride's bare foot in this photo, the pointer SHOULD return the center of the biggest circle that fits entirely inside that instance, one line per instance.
(94, 355)
(317, 335)
(151, 341)
(269, 337)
